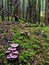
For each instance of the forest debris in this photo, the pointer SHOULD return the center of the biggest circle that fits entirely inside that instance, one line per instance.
(23, 26)
(25, 34)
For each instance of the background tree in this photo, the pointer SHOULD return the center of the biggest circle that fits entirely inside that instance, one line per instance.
(34, 10)
(16, 9)
(47, 12)
(38, 11)
(2, 11)
(23, 8)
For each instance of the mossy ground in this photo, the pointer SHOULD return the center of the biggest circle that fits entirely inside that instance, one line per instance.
(33, 50)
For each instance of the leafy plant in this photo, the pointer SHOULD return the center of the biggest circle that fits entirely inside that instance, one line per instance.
(47, 39)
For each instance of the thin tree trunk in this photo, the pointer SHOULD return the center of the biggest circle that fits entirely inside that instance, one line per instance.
(23, 8)
(46, 13)
(2, 12)
(34, 11)
(29, 10)
(39, 10)
(16, 9)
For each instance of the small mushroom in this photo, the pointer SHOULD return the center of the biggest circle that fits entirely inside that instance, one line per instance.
(15, 52)
(2, 37)
(11, 49)
(7, 52)
(8, 57)
(14, 45)
(13, 56)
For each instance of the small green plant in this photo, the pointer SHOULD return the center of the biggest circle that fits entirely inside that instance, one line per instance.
(47, 39)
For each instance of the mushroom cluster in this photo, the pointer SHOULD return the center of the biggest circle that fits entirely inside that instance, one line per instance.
(12, 52)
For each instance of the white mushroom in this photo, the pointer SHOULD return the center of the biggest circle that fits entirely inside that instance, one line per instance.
(8, 57)
(11, 49)
(15, 52)
(13, 56)
(14, 45)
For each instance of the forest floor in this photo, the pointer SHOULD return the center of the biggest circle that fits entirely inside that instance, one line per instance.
(33, 41)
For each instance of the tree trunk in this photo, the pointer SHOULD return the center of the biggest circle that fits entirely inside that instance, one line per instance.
(34, 11)
(39, 10)
(2, 12)
(47, 13)
(23, 8)
(16, 9)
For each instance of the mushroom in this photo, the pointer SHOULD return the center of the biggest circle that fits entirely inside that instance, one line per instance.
(13, 56)
(11, 49)
(15, 52)
(14, 45)
(7, 52)
(12, 52)
(2, 37)
(8, 57)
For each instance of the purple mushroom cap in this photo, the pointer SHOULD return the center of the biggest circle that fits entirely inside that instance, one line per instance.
(14, 45)
(11, 49)
(2, 37)
(8, 57)
(7, 52)
(15, 52)
(13, 56)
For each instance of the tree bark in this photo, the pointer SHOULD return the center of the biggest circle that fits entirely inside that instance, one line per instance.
(16, 10)
(46, 13)
(39, 11)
